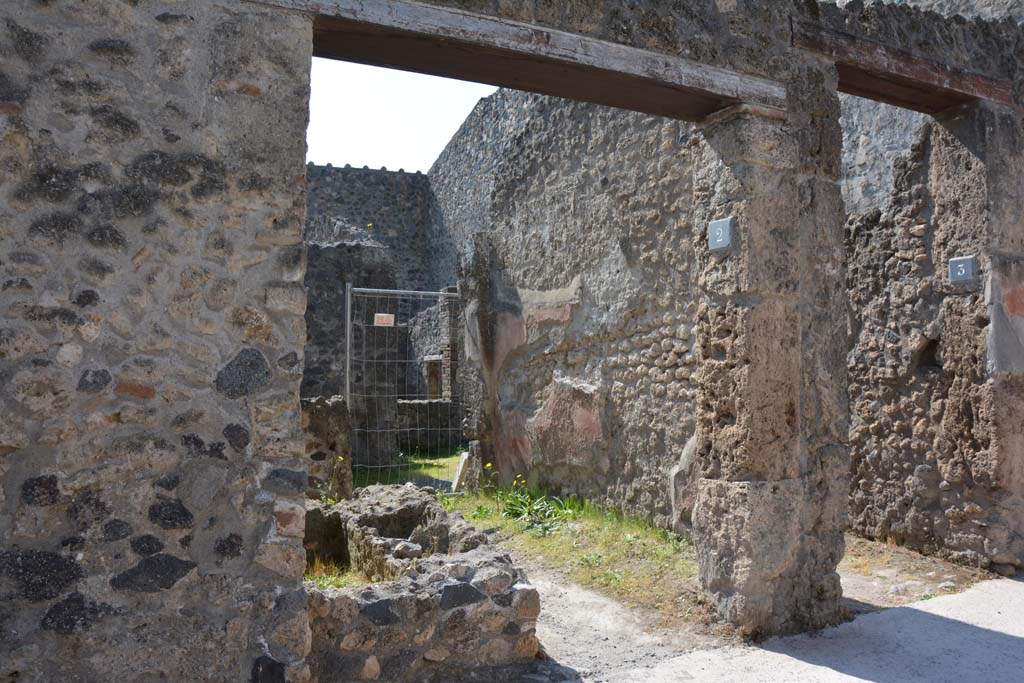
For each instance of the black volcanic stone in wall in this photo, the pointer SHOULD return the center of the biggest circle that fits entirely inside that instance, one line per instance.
(116, 529)
(106, 236)
(18, 284)
(74, 613)
(117, 122)
(93, 381)
(96, 267)
(56, 228)
(146, 544)
(291, 602)
(152, 574)
(335, 666)
(11, 91)
(87, 297)
(40, 491)
(39, 574)
(237, 436)
(245, 374)
(87, 509)
(266, 669)
(168, 482)
(229, 546)
(121, 201)
(380, 612)
(73, 542)
(197, 447)
(160, 167)
(285, 481)
(170, 514)
(56, 316)
(28, 44)
(459, 594)
(50, 183)
(171, 18)
(398, 664)
(117, 50)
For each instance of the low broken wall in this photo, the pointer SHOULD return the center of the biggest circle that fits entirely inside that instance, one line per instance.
(446, 603)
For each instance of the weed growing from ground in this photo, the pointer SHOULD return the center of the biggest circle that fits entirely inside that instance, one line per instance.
(628, 558)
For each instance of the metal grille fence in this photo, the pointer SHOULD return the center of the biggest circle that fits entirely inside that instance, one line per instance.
(401, 386)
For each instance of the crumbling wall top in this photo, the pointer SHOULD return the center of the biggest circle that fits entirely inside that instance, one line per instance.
(985, 48)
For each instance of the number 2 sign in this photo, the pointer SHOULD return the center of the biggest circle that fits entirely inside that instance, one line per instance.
(720, 233)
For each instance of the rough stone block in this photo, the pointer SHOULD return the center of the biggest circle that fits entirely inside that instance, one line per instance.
(762, 556)
(460, 605)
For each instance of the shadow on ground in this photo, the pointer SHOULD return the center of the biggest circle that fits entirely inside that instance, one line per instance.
(915, 643)
(541, 671)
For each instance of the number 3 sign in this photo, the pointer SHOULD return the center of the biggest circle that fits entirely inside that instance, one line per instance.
(963, 269)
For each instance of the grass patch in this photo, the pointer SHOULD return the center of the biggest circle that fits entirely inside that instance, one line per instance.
(627, 558)
(326, 574)
(421, 468)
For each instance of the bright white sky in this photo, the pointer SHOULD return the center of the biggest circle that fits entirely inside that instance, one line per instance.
(366, 116)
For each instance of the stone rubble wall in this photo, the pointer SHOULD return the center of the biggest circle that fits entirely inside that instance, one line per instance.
(388, 208)
(587, 210)
(328, 429)
(902, 317)
(927, 470)
(969, 9)
(444, 602)
(151, 213)
(921, 403)
(371, 228)
(151, 334)
(875, 136)
(467, 614)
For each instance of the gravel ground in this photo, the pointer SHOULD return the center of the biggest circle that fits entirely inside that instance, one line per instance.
(975, 635)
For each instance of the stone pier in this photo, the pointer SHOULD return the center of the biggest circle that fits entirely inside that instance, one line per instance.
(991, 138)
(771, 450)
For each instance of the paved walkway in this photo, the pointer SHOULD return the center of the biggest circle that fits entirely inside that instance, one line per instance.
(974, 636)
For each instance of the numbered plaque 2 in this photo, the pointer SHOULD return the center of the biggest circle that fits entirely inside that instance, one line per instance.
(720, 233)
(963, 269)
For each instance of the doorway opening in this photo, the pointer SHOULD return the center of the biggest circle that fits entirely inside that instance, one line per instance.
(402, 387)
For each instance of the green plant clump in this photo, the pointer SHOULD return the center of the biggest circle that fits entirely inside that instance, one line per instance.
(596, 547)
(540, 514)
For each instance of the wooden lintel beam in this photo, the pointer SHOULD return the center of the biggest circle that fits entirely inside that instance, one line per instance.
(448, 42)
(881, 72)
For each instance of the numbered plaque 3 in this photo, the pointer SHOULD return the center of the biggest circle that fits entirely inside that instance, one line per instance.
(963, 269)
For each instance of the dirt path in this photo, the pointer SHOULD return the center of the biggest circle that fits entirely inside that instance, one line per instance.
(593, 638)
(601, 639)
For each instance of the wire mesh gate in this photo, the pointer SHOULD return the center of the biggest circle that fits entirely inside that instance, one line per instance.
(401, 386)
